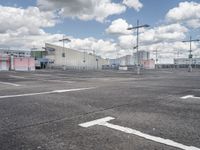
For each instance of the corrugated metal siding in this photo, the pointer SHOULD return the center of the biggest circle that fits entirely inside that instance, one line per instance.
(75, 59)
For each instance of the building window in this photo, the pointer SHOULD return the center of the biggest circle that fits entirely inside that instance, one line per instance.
(63, 54)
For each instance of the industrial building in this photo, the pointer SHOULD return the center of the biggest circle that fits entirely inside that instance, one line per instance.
(15, 59)
(41, 62)
(140, 56)
(73, 59)
(15, 52)
(184, 62)
(148, 64)
(122, 61)
(130, 62)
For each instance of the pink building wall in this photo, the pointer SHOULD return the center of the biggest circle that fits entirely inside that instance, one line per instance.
(148, 64)
(24, 64)
(16, 63)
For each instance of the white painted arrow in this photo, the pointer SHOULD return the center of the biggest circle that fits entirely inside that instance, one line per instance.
(190, 96)
(104, 122)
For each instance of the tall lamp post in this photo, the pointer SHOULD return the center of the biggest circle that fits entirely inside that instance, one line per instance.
(137, 40)
(64, 53)
(97, 59)
(156, 51)
(190, 54)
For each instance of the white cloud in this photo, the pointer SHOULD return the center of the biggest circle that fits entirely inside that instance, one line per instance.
(127, 41)
(186, 12)
(193, 23)
(119, 27)
(164, 33)
(83, 9)
(102, 47)
(172, 32)
(166, 38)
(29, 21)
(23, 28)
(14, 40)
(136, 4)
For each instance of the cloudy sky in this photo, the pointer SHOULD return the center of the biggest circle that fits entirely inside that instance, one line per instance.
(101, 25)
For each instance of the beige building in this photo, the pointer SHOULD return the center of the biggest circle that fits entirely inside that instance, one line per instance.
(73, 59)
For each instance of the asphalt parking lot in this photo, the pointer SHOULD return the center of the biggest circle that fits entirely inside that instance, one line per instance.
(46, 109)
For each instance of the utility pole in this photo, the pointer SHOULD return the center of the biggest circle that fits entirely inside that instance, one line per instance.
(190, 52)
(97, 59)
(137, 41)
(63, 51)
(84, 59)
(156, 51)
(177, 57)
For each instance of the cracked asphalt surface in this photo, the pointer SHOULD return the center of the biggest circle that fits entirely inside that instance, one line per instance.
(149, 103)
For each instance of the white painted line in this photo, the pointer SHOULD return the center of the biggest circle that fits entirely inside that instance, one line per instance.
(71, 90)
(59, 81)
(8, 83)
(17, 77)
(189, 96)
(42, 93)
(104, 122)
(96, 122)
(42, 75)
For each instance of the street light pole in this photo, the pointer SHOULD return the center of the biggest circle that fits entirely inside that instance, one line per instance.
(137, 41)
(190, 52)
(156, 51)
(137, 47)
(84, 60)
(64, 53)
(96, 59)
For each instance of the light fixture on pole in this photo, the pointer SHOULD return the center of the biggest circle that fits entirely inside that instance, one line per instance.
(64, 53)
(190, 55)
(137, 46)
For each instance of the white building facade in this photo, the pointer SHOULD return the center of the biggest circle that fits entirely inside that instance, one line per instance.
(140, 56)
(73, 59)
(186, 61)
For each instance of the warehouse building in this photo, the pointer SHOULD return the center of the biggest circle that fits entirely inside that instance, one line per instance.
(148, 64)
(184, 62)
(124, 60)
(73, 59)
(41, 62)
(129, 62)
(140, 56)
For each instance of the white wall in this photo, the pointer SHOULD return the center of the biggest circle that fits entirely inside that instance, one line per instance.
(74, 59)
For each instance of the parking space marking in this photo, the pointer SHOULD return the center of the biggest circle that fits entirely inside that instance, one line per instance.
(49, 80)
(17, 77)
(190, 96)
(49, 92)
(42, 75)
(104, 122)
(8, 83)
(62, 81)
